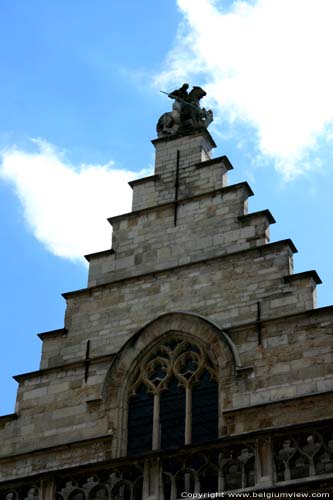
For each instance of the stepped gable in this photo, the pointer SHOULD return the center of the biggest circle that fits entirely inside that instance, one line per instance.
(193, 274)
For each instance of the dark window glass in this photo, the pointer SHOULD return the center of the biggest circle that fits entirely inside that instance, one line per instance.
(204, 410)
(121, 492)
(167, 485)
(137, 492)
(209, 480)
(172, 416)
(140, 421)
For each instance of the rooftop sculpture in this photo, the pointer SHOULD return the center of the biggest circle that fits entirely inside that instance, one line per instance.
(186, 115)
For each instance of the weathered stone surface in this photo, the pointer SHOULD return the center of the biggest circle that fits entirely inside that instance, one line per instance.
(195, 262)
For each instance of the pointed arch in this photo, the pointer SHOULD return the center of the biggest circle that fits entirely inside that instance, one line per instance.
(191, 327)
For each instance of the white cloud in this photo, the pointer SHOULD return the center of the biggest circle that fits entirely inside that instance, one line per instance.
(266, 63)
(66, 207)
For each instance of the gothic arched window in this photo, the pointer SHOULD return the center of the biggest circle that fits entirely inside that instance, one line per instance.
(173, 397)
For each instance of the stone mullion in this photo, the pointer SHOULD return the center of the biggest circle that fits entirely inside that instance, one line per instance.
(47, 489)
(264, 462)
(152, 480)
(221, 480)
(188, 415)
(156, 423)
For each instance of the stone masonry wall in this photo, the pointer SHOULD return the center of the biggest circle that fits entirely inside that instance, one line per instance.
(111, 315)
(225, 289)
(283, 384)
(215, 262)
(171, 224)
(210, 225)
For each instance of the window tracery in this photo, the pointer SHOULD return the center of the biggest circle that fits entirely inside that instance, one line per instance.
(123, 483)
(23, 492)
(173, 396)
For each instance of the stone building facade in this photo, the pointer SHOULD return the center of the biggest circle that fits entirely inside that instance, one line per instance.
(194, 361)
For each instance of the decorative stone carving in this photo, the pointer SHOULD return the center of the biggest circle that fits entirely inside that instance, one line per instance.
(244, 458)
(325, 464)
(200, 471)
(178, 357)
(32, 494)
(285, 455)
(116, 485)
(287, 451)
(114, 477)
(100, 493)
(310, 449)
(304, 455)
(223, 467)
(179, 367)
(186, 115)
(330, 446)
(66, 490)
(11, 496)
(91, 482)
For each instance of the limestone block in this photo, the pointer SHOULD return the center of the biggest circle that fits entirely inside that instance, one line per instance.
(35, 393)
(282, 392)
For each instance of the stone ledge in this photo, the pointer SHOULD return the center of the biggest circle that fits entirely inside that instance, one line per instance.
(306, 274)
(8, 418)
(67, 366)
(52, 334)
(259, 249)
(278, 401)
(94, 402)
(243, 369)
(59, 446)
(287, 241)
(243, 326)
(230, 438)
(264, 213)
(142, 211)
(285, 317)
(204, 132)
(215, 161)
(103, 253)
(226, 189)
(143, 180)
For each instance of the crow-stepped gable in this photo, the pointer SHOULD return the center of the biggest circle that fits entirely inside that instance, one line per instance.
(194, 361)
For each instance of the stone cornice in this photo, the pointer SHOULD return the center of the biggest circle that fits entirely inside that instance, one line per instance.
(216, 161)
(261, 249)
(59, 446)
(260, 213)
(214, 192)
(278, 401)
(306, 274)
(68, 366)
(169, 138)
(52, 334)
(285, 317)
(8, 418)
(232, 438)
(143, 180)
(106, 357)
(103, 253)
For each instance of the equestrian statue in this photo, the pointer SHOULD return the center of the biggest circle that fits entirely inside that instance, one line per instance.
(186, 116)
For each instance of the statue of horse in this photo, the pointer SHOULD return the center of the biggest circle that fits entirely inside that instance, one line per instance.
(186, 115)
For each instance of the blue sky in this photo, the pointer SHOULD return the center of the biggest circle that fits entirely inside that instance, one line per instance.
(79, 103)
